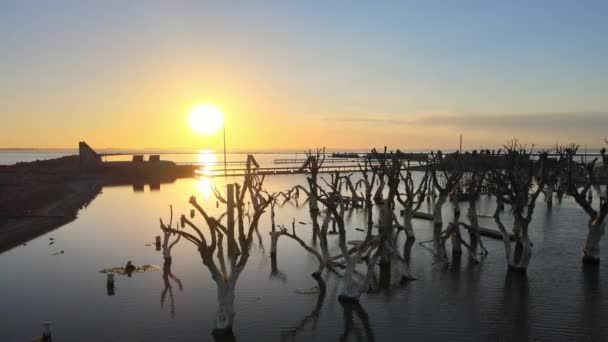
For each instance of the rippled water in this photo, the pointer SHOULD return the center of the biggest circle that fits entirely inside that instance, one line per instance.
(558, 300)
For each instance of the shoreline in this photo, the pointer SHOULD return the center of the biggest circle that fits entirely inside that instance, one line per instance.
(17, 229)
(39, 196)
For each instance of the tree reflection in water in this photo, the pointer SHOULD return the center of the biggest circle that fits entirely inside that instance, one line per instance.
(352, 309)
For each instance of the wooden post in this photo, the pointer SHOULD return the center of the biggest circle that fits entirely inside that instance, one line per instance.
(46, 331)
(230, 217)
(158, 243)
(460, 149)
(110, 284)
(110, 279)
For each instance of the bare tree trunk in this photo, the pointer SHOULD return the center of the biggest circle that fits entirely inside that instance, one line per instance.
(407, 225)
(591, 251)
(274, 237)
(386, 224)
(517, 229)
(378, 196)
(313, 207)
(550, 190)
(520, 259)
(351, 289)
(474, 236)
(370, 220)
(225, 310)
(437, 219)
(456, 238)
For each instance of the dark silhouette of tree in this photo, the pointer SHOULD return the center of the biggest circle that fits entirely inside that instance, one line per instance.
(514, 185)
(580, 177)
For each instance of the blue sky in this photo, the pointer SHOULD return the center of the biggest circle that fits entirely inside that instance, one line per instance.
(375, 69)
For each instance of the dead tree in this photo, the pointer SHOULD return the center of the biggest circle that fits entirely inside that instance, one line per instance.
(282, 231)
(580, 177)
(367, 182)
(474, 182)
(355, 199)
(313, 165)
(446, 173)
(412, 198)
(168, 275)
(353, 285)
(389, 173)
(234, 237)
(379, 194)
(514, 182)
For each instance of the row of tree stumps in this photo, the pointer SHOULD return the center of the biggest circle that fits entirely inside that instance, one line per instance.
(514, 176)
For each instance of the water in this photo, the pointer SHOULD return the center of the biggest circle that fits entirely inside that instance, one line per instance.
(558, 300)
(8, 157)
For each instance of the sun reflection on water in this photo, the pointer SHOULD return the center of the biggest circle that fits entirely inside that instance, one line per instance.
(205, 186)
(207, 160)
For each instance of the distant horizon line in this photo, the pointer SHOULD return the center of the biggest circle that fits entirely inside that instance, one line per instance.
(283, 150)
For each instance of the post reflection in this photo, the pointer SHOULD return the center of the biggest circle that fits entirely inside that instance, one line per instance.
(352, 309)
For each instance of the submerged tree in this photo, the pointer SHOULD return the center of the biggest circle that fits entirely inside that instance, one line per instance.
(474, 182)
(514, 178)
(412, 198)
(168, 275)
(313, 165)
(367, 182)
(580, 177)
(373, 249)
(225, 249)
(446, 172)
(353, 285)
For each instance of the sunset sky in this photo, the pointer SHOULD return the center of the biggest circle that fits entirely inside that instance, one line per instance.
(287, 75)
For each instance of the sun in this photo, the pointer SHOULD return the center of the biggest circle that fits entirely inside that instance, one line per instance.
(206, 119)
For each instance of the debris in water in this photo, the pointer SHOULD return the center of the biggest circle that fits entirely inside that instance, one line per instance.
(302, 222)
(254, 299)
(58, 253)
(360, 229)
(51, 238)
(311, 291)
(52, 242)
(148, 244)
(138, 269)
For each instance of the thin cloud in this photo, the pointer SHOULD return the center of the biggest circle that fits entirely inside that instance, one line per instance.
(565, 121)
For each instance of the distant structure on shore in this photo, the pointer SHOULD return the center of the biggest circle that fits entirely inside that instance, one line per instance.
(89, 159)
(135, 171)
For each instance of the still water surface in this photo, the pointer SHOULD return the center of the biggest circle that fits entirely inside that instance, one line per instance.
(558, 300)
